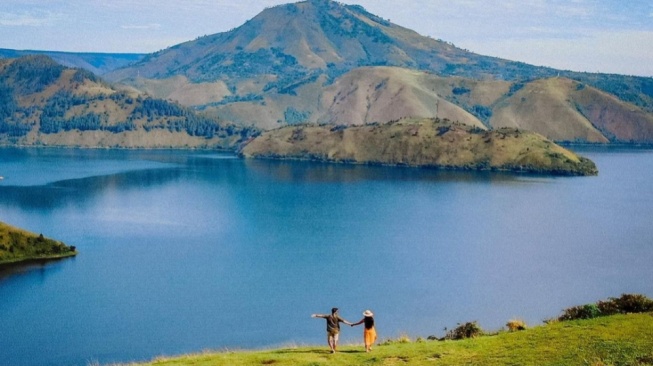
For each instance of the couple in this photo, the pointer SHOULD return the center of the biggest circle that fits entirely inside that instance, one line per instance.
(333, 328)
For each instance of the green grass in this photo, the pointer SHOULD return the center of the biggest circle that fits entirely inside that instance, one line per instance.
(18, 245)
(613, 340)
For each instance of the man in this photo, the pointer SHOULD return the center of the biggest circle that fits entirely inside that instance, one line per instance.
(333, 327)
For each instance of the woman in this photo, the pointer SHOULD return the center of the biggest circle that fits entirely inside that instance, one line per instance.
(369, 334)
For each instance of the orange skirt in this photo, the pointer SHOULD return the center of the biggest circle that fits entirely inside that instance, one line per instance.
(369, 336)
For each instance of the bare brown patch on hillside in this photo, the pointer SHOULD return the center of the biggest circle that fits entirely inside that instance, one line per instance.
(383, 94)
(617, 120)
(182, 91)
(566, 110)
(546, 107)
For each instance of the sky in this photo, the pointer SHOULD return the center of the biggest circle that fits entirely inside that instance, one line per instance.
(611, 36)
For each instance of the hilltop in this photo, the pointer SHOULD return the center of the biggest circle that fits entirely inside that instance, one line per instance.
(45, 103)
(285, 65)
(18, 245)
(421, 143)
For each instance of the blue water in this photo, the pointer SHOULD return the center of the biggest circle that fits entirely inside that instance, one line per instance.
(182, 251)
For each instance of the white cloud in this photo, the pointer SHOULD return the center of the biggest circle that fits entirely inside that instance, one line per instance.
(152, 26)
(25, 19)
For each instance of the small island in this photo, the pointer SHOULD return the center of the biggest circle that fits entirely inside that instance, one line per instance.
(425, 142)
(18, 245)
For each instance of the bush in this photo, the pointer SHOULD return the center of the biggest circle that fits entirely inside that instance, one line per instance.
(463, 331)
(515, 325)
(632, 303)
(587, 311)
(627, 303)
(401, 340)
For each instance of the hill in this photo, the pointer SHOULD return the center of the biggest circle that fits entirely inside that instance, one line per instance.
(97, 63)
(45, 103)
(420, 143)
(18, 245)
(282, 62)
(560, 109)
(613, 340)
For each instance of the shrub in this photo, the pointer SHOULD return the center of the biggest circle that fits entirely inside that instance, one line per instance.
(463, 331)
(587, 311)
(632, 303)
(627, 303)
(403, 338)
(515, 325)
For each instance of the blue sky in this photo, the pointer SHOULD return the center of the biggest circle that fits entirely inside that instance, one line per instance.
(582, 35)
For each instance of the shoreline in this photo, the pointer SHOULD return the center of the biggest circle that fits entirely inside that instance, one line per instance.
(17, 262)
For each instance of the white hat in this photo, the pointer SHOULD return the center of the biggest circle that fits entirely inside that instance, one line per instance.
(368, 313)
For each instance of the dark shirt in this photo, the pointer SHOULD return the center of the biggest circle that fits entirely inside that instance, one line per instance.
(332, 322)
(369, 322)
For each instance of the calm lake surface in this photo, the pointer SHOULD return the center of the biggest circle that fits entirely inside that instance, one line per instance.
(182, 251)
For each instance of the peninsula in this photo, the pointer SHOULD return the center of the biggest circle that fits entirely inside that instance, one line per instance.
(421, 142)
(18, 245)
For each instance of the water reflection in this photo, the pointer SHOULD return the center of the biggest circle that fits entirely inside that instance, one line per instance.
(43, 267)
(293, 171)
(77, 191)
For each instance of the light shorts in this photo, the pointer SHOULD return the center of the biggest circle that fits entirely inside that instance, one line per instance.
(333, 336)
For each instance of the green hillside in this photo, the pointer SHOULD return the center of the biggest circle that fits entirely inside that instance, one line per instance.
(18, 245)
(613, 340)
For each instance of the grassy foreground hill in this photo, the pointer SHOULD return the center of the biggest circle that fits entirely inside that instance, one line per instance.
(18, 245)
(625, 339)
(421, 143)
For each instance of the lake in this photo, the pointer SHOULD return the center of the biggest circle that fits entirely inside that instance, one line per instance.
(184, 251)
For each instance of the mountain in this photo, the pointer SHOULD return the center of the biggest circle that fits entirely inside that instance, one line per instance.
(97, 63)
(278, 67)
(421, 143)
(45, 103)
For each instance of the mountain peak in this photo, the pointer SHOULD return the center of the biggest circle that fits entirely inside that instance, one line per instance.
(294, 38)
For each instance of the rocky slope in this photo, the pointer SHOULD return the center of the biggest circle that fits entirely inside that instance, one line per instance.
(421, 143)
